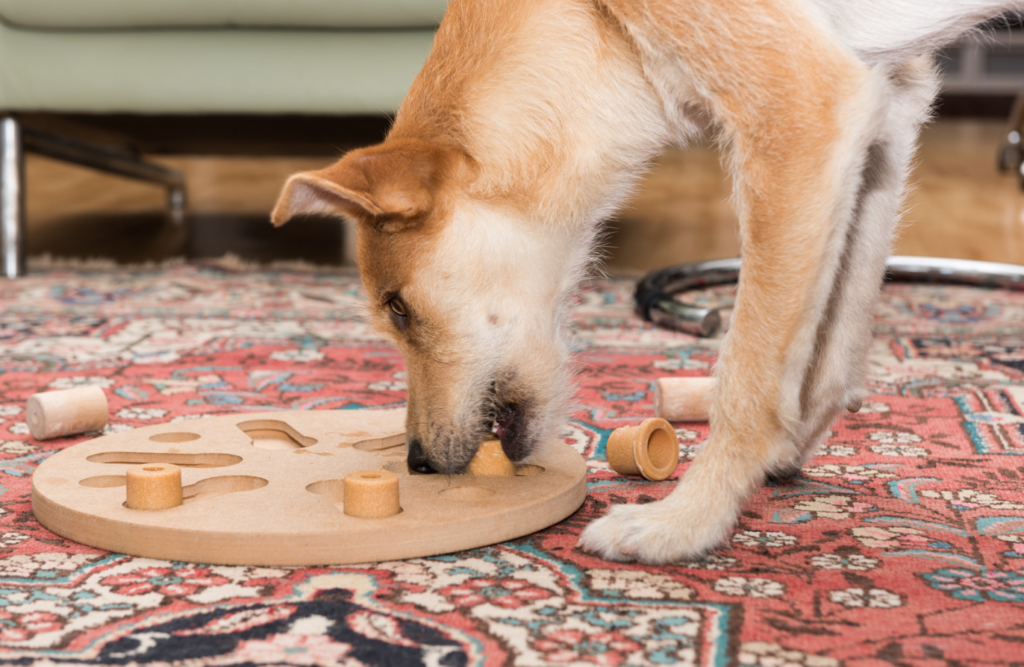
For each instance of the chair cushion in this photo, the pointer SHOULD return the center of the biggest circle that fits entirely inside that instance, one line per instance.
(106, 14)
(209, 71)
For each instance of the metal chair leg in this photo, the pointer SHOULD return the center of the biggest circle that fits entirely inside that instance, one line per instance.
(103, 159)
(176, 200)
(16, 140)
(1010, 158)
(12, 198)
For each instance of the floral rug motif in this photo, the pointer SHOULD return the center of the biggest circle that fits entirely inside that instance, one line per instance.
(901, 543)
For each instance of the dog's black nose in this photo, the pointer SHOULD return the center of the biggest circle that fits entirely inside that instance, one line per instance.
(417, 459)
(509, 428)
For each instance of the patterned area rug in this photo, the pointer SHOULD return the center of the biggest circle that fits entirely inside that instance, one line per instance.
(901, 543)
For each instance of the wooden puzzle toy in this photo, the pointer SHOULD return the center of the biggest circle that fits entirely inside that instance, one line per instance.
(53, 414)
(650, 449)
(319, 487)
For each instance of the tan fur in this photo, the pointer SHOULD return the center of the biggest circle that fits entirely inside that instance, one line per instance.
(529, 123)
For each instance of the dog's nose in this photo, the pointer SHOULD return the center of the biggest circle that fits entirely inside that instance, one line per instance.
(417, 459)
(508, 427)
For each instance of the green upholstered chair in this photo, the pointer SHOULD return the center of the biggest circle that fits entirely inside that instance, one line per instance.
(333, 57)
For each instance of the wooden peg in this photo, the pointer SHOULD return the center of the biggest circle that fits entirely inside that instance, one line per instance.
(371, 494)
(688, 399)
(53, 414)
(650, 449)
(490, 461)
(153, 486)
(683, 399)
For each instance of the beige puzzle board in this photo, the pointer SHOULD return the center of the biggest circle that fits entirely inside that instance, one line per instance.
(266, 489)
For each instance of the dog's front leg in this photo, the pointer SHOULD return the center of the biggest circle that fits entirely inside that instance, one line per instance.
(819, 191)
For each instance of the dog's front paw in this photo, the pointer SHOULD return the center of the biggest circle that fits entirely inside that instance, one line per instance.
(654, 534)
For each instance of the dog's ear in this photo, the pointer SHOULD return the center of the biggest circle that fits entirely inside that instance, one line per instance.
(391, 183)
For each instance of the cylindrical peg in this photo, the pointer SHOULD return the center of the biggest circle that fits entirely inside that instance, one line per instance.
(688, 399)
(683, 399)
(490, 460)
(53, 414)
(371, 494)
(153, 486)
(650, 449)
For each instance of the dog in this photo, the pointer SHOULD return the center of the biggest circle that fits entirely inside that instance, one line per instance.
(529, 124)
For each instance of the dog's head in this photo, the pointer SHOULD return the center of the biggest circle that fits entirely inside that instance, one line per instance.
(471, 291)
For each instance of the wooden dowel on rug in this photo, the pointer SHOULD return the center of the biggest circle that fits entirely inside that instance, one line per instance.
(683, 399)
(53, 414)
(689, 399)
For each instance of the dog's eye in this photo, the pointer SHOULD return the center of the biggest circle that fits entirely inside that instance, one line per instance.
(399, 313)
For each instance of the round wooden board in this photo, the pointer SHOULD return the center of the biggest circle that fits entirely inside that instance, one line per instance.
(266, 489)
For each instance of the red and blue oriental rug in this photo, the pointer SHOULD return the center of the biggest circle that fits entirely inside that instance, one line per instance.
(902, 543)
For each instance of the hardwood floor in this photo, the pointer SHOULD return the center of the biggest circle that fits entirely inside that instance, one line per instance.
(959, 207)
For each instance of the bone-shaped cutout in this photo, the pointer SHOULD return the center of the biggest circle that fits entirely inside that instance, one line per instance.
(177, 458)
(207, 488)
(180, 436)
(219, 486)
(104, 481)
(274, 434)
(389, 444)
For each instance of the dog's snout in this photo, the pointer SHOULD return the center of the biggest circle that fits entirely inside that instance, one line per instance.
(417, 459)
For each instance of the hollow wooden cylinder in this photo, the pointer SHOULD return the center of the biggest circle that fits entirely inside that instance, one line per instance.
(490, 461)
(650, 449)
(371, 494)
(153, 486)
(683, 399)
(52, 414)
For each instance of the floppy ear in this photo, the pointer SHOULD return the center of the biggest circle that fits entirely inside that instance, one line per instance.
(385, 181)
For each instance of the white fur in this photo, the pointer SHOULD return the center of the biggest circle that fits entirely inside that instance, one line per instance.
(511, 311)
(894, 31)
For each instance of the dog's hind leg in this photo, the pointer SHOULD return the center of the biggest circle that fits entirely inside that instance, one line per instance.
(820, 151)
(835, 375)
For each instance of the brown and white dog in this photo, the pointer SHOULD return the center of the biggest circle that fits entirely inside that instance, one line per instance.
(529, 124)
